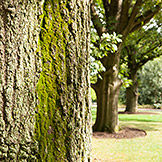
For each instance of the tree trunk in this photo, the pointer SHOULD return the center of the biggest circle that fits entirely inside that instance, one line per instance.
(132, 95)
(63, 127)
(107, 91)
(19, 30)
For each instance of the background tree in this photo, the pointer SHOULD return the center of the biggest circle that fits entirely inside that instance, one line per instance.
(140, 47)
(63, 126)
(122, 17)
(19, 30)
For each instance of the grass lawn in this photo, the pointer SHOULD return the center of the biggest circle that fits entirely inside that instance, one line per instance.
(140, 149)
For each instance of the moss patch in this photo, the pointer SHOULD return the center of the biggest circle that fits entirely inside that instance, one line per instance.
(51, 124)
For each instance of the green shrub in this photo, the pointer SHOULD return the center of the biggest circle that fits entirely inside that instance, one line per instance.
(150, 88)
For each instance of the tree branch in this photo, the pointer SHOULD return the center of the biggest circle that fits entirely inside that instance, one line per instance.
(93, 86)
(106, 8)
(144, 18)
(132, 17)
(124, 16)
(114, 11)
(96, 21)
(140, 39)
(145, 60)
(135, 11)
(96, 86)
(153, 48)
(114, 8)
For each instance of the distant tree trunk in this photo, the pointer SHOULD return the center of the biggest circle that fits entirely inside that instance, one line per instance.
(107, 91)
(19, 30)
(132, 94)
(63, 127)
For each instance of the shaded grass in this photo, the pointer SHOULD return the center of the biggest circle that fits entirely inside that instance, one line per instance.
(141, 149)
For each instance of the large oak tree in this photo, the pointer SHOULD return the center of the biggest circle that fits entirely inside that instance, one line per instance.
(122, 17)
(62, 120)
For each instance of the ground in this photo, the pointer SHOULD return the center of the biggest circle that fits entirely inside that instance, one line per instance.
(124, 132)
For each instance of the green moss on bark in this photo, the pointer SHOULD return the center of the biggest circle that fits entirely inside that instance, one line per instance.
(63, 126)
(51, 124)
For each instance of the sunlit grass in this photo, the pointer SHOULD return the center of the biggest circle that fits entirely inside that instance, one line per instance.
(140, 149)
(140, 117)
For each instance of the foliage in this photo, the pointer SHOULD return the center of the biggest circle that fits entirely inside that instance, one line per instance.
(93, 95)
(100, 47)
(106, 43)
(151, 83)
(140, 47)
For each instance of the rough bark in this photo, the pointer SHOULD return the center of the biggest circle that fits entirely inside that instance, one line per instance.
(19, 30)
(132, 95)
(63, 127)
